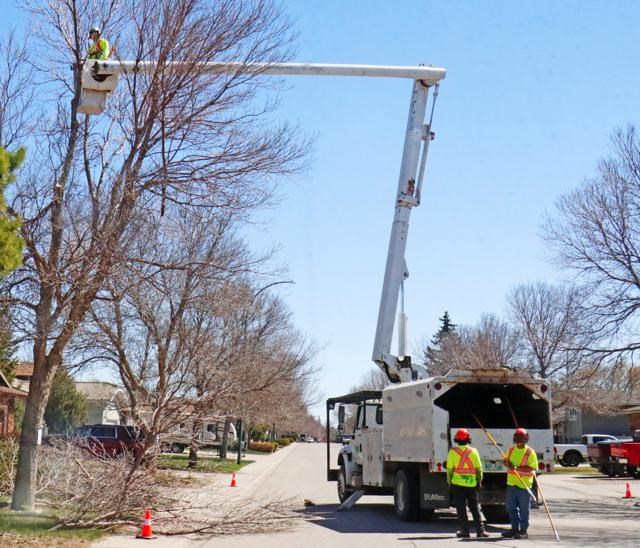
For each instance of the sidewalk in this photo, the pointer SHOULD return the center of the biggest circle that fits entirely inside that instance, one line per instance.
(249, 481)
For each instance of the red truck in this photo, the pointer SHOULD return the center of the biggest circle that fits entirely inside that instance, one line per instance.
(616, 458)
(628, 453)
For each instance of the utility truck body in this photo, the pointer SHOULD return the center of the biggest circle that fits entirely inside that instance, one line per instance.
(403, 433)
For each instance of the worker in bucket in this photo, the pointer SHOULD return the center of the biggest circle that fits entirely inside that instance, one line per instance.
(523, 459)
(98, 47)
(464, 475)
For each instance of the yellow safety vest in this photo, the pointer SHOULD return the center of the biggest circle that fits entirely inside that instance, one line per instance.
(522, 457)
(464, 464)
(100, 50)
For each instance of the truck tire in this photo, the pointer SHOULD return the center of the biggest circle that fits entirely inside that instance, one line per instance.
(177, 448)
(633, 471)
(344, 491)
(406, 495)
(571, 459)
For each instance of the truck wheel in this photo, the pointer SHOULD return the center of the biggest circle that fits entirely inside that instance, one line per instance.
(406, 493)
(633, 472)
(571, 459)
(344, 492)
(177, 448)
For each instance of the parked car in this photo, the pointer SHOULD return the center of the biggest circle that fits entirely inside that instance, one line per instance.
(107, 439)
(573, 454)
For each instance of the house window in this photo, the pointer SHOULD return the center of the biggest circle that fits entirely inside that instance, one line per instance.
(572, 414)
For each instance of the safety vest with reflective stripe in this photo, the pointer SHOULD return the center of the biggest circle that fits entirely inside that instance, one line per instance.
(463, 466)
(522, 457)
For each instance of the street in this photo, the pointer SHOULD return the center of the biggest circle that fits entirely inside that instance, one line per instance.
(588, 510)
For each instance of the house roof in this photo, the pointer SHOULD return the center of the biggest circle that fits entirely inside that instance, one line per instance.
(24, 369)
(98, 390)
(6, 388)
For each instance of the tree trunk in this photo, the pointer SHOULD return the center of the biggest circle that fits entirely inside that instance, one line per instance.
(193, 447)
(24, 493)
(225, 437)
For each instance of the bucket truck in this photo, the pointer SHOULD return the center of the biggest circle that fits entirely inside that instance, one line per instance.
(403, 433)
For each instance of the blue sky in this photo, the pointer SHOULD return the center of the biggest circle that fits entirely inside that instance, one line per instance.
(532, 94)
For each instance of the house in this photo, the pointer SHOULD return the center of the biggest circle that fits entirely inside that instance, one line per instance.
(104, 401)
(22, 376)
(570, 423)
(9, 396)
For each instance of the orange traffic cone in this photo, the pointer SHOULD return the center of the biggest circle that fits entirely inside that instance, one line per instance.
(233, 480)
(627, 495)
(146, 532)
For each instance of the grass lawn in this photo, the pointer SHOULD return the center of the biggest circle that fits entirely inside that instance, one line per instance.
(205, 464)
(31, 529)
(575, 470)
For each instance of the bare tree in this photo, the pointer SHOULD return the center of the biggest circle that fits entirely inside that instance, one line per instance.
(490, 344)
(374, 379)
(269, 360)
(171, 137)
(17, 116)
(595, 234)
(552, 323)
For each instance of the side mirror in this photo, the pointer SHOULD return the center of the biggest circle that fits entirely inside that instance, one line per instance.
(341, 415)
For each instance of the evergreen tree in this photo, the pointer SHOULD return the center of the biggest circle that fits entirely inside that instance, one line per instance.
(446, 328)
(11, 243)
(66, 407)
(433, 352)
(7, 362)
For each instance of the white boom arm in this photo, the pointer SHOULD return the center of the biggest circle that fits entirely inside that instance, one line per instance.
(414, 155)
(99, 78)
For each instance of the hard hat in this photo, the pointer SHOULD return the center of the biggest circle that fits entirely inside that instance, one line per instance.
(462, 436)
(94, 29)
(522, 434)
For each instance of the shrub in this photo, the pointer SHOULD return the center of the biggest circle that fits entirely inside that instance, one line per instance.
(262, 446)
(283, 442)
(8, 462)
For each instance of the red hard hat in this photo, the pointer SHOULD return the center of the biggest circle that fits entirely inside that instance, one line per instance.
(462, 435)
(521, 432)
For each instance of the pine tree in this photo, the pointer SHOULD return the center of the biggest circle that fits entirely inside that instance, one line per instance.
(66, 407)
(7, 361)
(447, 327)
(433, 352)
(11, 243)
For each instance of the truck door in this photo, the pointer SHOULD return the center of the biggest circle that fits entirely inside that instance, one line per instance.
(372, 446)
(357, 436)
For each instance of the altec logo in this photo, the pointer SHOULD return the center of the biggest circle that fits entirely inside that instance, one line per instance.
(433, 496)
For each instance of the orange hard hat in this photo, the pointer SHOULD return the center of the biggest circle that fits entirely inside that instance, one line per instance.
(521, 433)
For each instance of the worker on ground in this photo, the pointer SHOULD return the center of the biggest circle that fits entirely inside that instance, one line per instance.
(464, 475)
(98, 47)
(522, 458)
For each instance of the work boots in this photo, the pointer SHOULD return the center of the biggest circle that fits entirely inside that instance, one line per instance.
(511, 533)
(482, 533)
(521, 534)
(464, 533)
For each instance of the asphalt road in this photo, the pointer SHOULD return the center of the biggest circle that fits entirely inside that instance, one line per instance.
(588, 510)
